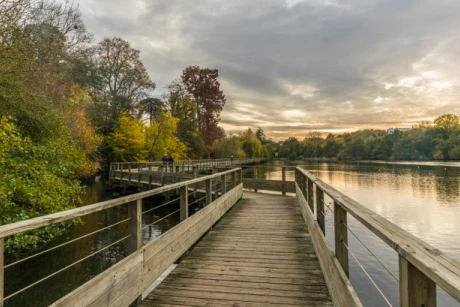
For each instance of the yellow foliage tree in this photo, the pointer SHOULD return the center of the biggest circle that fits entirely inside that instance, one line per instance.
(128, 139)
(161, 138)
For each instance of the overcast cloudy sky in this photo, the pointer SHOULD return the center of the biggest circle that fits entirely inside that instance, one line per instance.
(293, 66)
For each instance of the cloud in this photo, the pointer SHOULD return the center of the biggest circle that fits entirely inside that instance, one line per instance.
(341, 64)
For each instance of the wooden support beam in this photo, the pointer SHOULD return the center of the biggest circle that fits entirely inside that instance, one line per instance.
(208, 191)
(341, 236)
(320, 212)
(255, 176)
(183, 203)
(223, 184)
(283, 177)
(135, 230)
(135, 225)
(310, 195)
(415, 288)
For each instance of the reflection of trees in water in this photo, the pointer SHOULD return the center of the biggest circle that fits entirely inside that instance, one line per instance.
(447, 182)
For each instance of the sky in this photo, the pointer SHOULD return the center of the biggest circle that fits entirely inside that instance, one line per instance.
(297, 66)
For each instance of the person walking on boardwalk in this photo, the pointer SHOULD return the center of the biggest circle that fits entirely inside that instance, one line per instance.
(165, 159)
(170, 160)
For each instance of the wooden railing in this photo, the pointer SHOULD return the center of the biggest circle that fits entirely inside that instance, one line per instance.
(123, 283)
(421, 266)
(183, 165)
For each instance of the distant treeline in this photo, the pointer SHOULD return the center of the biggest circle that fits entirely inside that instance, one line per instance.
(441, 141)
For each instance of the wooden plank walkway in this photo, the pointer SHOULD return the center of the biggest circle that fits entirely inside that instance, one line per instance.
(259, 254)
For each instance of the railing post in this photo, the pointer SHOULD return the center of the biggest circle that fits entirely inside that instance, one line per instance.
(183, 203)
(304, 179)
(310, 195)
(129, 173)
(255, 177)
(341, 236)
(2, 273)
(234, 179)
(139, 167)
(150, 180)
(208, 191)
(177, 169)
(224, 184)
(195, 175)
(415, 288)
(320, 213)
(135, 225)
(283, 177)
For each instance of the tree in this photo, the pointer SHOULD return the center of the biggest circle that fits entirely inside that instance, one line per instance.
(448, 122)
(203, 86)
(161, 139)
(124, 83)
(181, 106)
(128, 139)
(35, 179)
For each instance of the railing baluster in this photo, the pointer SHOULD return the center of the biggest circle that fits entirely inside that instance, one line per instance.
(208, 191)
(135, 225)
(320, 213)
(283, 177)
(310, 195)
(183, 203)
(224, 184)
(415, 288)
(341, 236)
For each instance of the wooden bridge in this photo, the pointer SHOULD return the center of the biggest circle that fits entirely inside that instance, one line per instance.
(237, 249)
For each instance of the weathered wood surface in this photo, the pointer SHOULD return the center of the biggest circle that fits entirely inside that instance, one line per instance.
(269, 185)
(259, 254)
(15, 228)
(124, 282)
(341, 290)
(436, 265)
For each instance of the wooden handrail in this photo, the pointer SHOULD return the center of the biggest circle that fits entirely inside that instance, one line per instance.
(22, 226)
(416, 256)
(145, 263)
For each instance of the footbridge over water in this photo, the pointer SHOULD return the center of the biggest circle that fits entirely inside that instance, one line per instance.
(235, 248)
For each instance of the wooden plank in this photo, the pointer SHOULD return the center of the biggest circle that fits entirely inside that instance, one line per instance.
(415, 288)
(269, 185)
(245, 269)
(183, 203)
(339, 286)
(162, 252)
(99, 287)
(341, 237)
(135, 226)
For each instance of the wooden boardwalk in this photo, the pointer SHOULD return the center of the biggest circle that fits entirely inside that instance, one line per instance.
(259, 254)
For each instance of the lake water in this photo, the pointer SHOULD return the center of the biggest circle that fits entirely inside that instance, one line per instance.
(422, 198)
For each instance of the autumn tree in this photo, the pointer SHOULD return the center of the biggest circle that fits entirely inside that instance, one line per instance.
(204, 88)
(182, 107)
(128, 139)
(161, 138)
(124, 82)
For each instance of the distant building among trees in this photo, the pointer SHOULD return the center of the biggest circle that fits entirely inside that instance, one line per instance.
(392, 130)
